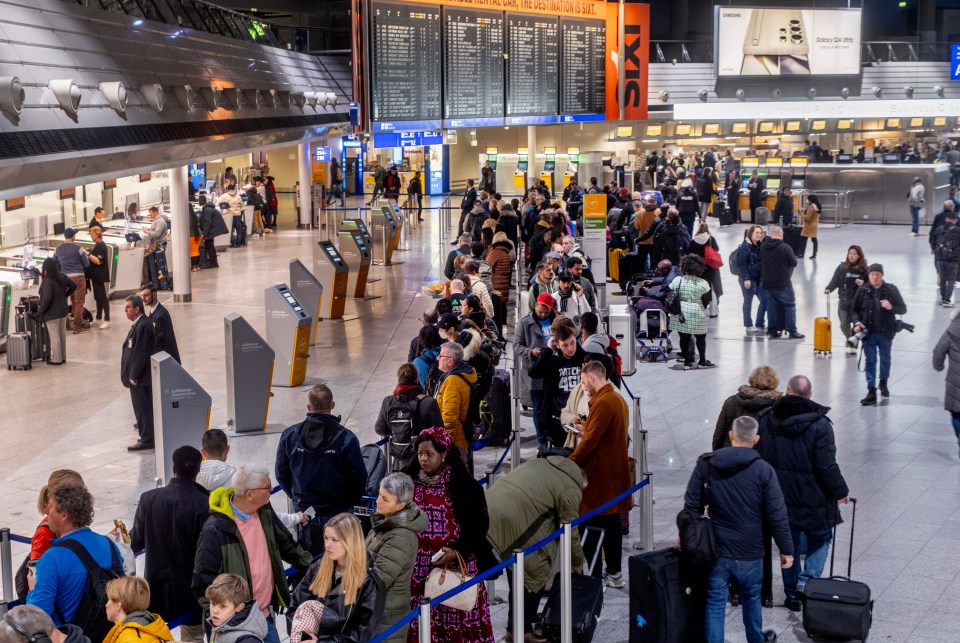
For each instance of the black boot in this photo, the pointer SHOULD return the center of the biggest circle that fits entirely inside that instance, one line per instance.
(884, 391)
(870, 399)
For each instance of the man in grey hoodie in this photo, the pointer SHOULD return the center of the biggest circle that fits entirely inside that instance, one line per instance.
(592, 338)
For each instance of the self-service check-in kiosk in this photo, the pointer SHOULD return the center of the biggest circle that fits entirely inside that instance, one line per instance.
(181, 411)
(309, 292)
(384, 229)
(357, 224)
(288, 333)
(397, 215)
(356, 252)
(331, 269)
(520, 175)
(249, 371)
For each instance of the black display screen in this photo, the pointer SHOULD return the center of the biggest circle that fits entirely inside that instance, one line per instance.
(533, 64)
(583, 77)
(358, 238)
(406, 62)
(334, 255)
(473, 69)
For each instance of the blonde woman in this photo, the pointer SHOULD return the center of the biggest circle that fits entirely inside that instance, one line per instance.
(342, 596)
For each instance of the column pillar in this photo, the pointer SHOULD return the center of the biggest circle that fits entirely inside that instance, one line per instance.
(306, 186)
(532, 150)
(180, 234)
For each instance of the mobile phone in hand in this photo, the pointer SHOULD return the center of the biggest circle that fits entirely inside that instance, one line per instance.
(310, 513)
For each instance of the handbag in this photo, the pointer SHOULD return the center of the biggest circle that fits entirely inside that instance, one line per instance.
(696, 533)
(712, 258)
(443, 579)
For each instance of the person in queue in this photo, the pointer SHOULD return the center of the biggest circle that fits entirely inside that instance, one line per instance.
(948, 347)
(501, 265)
(747, 259)
(453, 396)
(137, 349)
(73, 261)
(755, 186)
(457, 524)
(128, 600)
(231, 205)
(243, 536)
(559, 368)
(53, 292)
(342, 594)
(847, 279)
(43, 535)
(698, 246)
(30, 624)
(759, 393)
(404, 413)
(211, 226)
(602, 454)
(392, 544)
(234, 615)
(875, 309)
(530, 339)
(811, 223)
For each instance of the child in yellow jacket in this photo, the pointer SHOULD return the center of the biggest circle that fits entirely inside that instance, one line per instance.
(128, 598)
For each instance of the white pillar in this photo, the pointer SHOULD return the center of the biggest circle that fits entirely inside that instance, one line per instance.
(306, 186)
(180, 234)
(532, 151)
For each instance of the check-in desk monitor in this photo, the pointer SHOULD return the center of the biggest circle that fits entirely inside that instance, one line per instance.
(181, 410)
(356, 252)
(288, 333)
(331, 269)
(250, 362)
(308, 290)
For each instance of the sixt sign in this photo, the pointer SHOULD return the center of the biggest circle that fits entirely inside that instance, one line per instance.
(954, 62)
(635, 57)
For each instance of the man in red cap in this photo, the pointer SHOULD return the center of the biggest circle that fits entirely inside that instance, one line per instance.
(530, 339)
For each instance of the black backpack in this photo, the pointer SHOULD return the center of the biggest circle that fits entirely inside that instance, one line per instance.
(479, 418)
(91, 614)
(402, 417)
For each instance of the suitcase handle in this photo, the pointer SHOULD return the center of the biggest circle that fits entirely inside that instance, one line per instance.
(833, 549)
(828, 305)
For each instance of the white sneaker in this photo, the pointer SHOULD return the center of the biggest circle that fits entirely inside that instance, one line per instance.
(614, 580)
(947, 304)
(105, 325)
(914, 234)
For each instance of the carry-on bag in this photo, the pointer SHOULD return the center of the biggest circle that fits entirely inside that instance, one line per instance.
(726, 215)
(586, 603)
(18, 352)
(498, 403)
(762, 216)
(837, 607)
(823, 334)
(613, 263)
(29, 323)
(791, 236)
(631, 264)
(667, 600)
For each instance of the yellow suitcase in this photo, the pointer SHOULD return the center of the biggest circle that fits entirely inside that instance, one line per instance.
(823, 334)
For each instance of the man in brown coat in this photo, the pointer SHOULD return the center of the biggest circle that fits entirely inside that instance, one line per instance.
(602, 454)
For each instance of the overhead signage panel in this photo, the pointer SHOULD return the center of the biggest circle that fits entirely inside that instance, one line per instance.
(473, 64)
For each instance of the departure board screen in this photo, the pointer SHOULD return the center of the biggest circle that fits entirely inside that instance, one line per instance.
(473, 55)
(583, 69)
(406, 63)
(532, 65)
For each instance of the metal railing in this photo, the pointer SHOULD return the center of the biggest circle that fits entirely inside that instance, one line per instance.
(873, 52)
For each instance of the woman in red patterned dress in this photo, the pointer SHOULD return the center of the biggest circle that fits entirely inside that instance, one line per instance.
(456, 509)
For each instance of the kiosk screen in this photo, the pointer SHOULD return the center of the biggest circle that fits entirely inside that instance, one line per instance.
(360, 242)
(388, 215)
(796, 183)
(334, 255)
(292, 301)
(522, 166)
(549, 166)
(745, 183)
(773, 183)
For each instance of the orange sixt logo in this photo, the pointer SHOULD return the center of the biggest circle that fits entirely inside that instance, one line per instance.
(632, 91)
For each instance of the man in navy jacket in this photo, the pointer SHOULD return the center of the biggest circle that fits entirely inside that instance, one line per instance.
(744, 497)
(162, 323)
(796, 438)
(319, 465)
(138, 347)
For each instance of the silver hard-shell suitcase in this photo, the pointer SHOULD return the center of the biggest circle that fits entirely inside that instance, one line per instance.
(18, 352)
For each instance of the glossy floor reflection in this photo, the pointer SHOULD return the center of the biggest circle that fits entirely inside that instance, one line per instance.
(900, 458)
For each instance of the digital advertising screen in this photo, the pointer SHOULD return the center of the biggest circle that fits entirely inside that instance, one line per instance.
(787, 42)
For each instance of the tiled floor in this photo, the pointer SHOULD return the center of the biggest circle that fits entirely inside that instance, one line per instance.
(900, 458)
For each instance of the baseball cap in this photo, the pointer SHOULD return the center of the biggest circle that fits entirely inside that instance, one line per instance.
(69, 233)
(553, 255)
(448, 320)
(546, 299)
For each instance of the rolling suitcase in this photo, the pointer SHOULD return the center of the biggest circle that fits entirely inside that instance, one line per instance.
(613, 263)
(586, 603)
(823, 334)
(159, 273)
(664, 604)
(498, 403)
(18, 352)
(727, 217)
(791, 237)
(763, 216)
(836, 607)
(29, 323)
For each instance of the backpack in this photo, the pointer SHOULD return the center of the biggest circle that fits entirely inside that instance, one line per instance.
(91, 614)
(376, 466)
(732, 261)
(946, 248)
(401, 417)
(479, 418)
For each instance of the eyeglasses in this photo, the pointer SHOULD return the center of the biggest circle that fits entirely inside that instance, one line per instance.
(442, 355)
(267, 488)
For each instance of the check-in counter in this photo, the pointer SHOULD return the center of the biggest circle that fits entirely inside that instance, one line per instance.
(124, 259)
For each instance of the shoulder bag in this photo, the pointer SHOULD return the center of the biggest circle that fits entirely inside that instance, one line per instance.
(443, 579)
(696, 532)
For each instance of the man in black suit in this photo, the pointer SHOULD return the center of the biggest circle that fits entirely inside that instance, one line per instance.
(756, 187)
(135, 370)
(466, 205)
(162, 323)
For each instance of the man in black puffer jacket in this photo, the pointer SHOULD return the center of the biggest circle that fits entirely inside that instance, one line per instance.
(796, 438)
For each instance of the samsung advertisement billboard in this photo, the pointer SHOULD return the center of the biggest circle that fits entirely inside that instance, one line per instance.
(792, 49)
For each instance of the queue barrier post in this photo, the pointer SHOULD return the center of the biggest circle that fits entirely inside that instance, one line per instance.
(424, 625)
(515, 394)
(518, 617)
(491, 584)
(387, 453)
(644, 496)
(6, 562)
(566, 583)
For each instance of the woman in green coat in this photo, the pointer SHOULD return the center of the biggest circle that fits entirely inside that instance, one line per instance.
(393, 543)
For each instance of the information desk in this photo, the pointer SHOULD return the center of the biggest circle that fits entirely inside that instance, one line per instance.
(309, 292)
(356, 253)
(288, 333)
(249, 371)
(331, 270)
(181, 411)
(384, 230)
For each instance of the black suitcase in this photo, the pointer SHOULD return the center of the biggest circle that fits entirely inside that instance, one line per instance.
(630, 265)
(498, 403)
(836, 607)
(791, 236)
(664, 604)
(727, 217)
(18, 352)
(30, 324)
(159, 272)
(587, 603)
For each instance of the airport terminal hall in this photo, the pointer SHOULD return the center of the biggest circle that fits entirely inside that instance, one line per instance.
(479, 321)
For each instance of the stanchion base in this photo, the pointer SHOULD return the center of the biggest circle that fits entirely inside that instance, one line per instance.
(304, 226)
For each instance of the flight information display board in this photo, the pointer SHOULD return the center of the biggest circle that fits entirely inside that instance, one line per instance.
(533, 65)
(582, 64)
(406, 66)
(473, 67)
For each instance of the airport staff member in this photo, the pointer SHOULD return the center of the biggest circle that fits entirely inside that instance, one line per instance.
(97, 220)
(166, 339)
(135, 370)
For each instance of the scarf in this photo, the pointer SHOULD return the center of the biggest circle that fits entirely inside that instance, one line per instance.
(407, 388)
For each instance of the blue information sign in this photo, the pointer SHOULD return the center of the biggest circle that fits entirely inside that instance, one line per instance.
(321, 154)
(954, 62)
